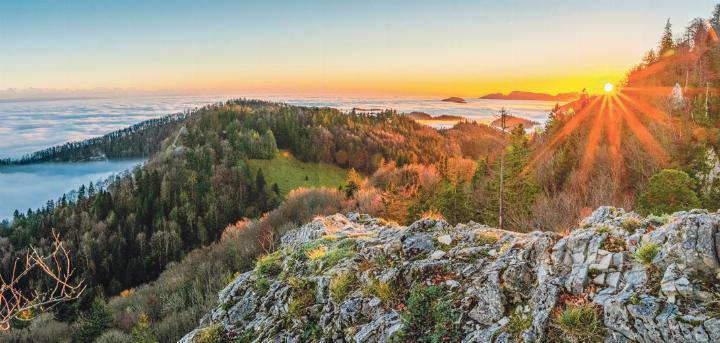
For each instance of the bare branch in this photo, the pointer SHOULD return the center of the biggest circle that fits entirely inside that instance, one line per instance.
(18, 303)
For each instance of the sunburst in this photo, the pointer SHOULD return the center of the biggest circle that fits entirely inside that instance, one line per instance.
(608, 114)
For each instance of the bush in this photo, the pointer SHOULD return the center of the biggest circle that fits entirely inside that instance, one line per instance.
(302, 296)
(388, 292)
(519, 323)
(311, 333)
(114, 336)
(430, 316)
(341, 285)
(262, 285)
(488, 238)
(269, 265)
(94, 322)
(581, 323)
(631, 225)
(142, 333)
(667, 192)
(646, 253)
(43, 329)
(330, 257)
(214, 333)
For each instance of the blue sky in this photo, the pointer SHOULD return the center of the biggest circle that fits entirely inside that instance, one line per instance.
(330, 46)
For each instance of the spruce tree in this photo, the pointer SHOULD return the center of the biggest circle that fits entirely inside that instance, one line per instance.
(666, 42)
(715, 19)
(94, 322)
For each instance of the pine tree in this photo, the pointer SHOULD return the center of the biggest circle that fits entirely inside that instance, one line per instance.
(269, 146)
(519, 185)
(666, 42)
(93, 322)
(260, 182)
(81, 193)
(354, 181)
(715, 19)
(141, 332)
(91, 189)
(649, 58)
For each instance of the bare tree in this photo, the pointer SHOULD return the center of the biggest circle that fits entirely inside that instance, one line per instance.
(19, 303)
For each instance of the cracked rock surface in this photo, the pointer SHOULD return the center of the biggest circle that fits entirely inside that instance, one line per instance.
(491, 275)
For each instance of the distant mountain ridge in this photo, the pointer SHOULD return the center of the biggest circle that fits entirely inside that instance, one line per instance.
(523, 95)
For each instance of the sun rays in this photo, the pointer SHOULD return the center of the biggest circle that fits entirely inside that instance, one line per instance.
(607, 116)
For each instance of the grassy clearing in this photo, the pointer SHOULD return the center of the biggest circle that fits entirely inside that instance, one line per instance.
(290, 173)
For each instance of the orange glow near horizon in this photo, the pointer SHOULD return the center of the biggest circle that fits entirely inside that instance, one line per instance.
(375, 83)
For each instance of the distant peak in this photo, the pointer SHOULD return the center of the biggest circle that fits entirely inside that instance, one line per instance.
(524, 95)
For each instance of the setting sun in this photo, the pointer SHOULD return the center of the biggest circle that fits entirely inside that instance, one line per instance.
(608, 87)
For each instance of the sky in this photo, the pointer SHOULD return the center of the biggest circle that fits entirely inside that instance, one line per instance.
(443, 48)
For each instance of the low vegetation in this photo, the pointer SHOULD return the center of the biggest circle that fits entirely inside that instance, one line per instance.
(269, 265)
(430, 316)
(341, 285)
(214, 333)
(390, 293)
(302, 296)
(580, 323)
(646, 253)
(519, 323)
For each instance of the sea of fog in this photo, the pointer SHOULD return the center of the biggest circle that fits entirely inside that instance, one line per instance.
(31, 125)
(31, 186)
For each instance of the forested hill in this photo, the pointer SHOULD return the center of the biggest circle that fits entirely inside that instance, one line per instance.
(139, 140)
(198, 181)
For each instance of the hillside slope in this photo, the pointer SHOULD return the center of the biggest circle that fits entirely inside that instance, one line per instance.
(618, 278)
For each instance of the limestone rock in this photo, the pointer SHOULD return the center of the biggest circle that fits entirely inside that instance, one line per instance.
(486, 278)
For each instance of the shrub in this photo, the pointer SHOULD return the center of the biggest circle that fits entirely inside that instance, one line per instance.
(311, 333)
(269, 265)
(317, 253)
(94, 322)
(246, 337)
(613, 244)
(646, 252)
(659, 220)
(634, 299)
(667, 192)
(214, 333)
(487, 238)
(114, 336)
(430, 316)
(519, 323)
(262, 285)
(389, 292)
(302, 296)
(341, 285)
(631, 225)
(142, 333)
(581, 323)
(346, 243)
(331, 258)
(43, 329)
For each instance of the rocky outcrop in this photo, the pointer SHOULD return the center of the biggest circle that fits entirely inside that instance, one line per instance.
(616, 278)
